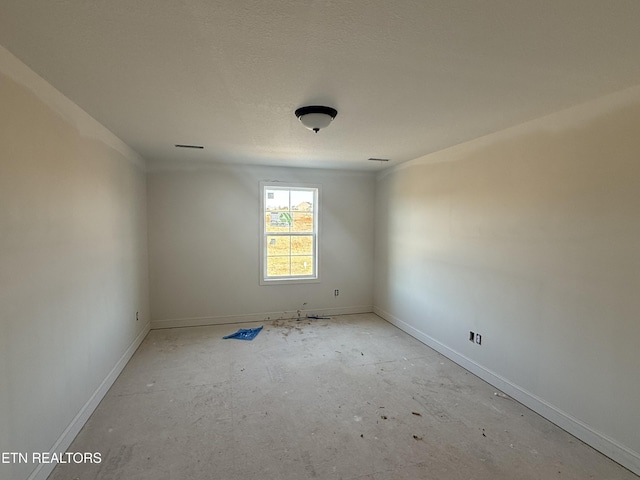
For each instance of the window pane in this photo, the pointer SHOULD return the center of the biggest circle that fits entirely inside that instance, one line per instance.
(302, 245)
(278, 221)
(302, 222)
(280, 245)
(302, 200)
(278, 266)
(276, 199)
(302, 265)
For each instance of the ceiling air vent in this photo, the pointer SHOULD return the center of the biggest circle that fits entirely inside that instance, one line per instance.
(179, 145)
(379, 159)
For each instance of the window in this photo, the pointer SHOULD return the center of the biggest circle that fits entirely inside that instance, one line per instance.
(289, 233)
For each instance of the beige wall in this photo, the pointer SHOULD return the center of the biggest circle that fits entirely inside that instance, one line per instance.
(73, 267)
(204, 245)
(531, 237)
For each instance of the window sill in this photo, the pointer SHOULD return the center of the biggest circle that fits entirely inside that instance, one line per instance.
(288, 281)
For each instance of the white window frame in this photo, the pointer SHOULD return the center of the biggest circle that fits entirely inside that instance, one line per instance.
(264, 280)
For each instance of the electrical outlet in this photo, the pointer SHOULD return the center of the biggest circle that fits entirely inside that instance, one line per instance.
(137, 316)
(472, 336)
(478, 339)
(336, 292)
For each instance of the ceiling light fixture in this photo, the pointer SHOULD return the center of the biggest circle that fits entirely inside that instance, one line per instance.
(316, 117)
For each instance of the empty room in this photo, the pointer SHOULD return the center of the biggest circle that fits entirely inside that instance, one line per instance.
(314, 239)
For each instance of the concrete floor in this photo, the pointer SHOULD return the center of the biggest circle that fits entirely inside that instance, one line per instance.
(348, 398)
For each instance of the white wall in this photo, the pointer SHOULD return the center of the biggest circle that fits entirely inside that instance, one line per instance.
(204, 245)
(531, 237)
(73, 266)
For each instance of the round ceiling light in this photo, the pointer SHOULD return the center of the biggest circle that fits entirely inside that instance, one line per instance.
(316, 117)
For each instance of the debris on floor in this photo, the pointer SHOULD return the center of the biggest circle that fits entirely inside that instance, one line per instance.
(416, 414)
(417, 437)
(501, 395)
(289, 325)
(318, 317)
(245, 334)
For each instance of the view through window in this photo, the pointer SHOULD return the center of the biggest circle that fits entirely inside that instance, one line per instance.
(290, 232)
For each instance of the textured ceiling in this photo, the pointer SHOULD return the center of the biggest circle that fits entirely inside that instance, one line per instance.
(408, 77)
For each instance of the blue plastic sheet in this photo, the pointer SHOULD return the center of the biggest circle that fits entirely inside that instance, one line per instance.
(245, 334)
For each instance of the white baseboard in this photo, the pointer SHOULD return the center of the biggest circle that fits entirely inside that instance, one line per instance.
(255, 317)
(43, 470)
(608, 446)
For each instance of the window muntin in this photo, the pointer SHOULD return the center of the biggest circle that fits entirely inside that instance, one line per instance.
(289, 233)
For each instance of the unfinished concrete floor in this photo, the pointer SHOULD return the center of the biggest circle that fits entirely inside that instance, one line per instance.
(348, 398)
